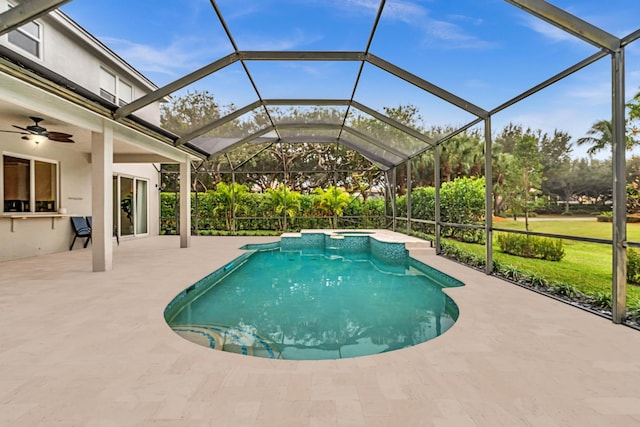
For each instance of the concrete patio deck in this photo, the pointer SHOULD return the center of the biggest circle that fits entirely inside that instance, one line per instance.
(92, 349)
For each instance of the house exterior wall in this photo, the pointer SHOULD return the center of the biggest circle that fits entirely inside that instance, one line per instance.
(71, 52)
(44, 235)
(67, 49)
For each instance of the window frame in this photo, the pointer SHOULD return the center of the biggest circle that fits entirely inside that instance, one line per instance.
(122, 102)
(117, 189)
(113, 96)
(38, 40)
(116, 97)
(32, 183)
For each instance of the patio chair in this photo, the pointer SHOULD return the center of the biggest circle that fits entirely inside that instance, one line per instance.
(115, 229)
(80, 229)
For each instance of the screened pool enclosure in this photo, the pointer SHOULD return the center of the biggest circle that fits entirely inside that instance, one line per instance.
(350, 89)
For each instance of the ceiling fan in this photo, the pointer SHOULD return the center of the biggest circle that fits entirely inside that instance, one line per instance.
(39, 134)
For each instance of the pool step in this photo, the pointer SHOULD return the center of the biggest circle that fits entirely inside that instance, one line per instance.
(418, 245)
(229, 338)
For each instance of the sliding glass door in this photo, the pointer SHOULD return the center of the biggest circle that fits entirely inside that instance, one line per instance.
(130, 205)
(141, 216)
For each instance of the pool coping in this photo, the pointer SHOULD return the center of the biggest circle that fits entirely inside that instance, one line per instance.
(83, 348)
(381, 235)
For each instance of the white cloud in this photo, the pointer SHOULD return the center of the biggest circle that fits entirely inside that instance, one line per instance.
(550, 32)
(407, 12)
(296, 39)
(182, 55)
(371, 5)
(435, 31)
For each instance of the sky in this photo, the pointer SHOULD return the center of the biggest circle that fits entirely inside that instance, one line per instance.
(485, 52)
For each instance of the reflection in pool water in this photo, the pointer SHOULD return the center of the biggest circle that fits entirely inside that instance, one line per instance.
(310, 304)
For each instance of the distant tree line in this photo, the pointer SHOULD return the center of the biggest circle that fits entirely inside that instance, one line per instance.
(532, 171)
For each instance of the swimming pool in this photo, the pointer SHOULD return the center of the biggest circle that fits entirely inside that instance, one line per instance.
(316, 301)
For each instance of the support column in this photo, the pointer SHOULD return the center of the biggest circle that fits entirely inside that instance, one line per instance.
(233, 201)
(436, 179)
(619, 284)
(102, 199)
(488, 196)
(185, 204)
(409, 197)
(394, 194)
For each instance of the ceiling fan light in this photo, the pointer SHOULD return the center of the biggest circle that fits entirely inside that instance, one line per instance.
(37, 138)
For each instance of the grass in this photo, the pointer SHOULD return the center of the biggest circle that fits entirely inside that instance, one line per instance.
(588, 266)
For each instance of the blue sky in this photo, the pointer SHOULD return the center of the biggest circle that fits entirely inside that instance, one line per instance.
(483, 51)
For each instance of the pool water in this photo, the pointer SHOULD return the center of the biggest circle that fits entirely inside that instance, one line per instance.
(313, 304)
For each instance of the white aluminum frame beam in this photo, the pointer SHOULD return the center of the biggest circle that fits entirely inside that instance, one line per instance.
(352, 131)
(375, 142)
(561, 75)
(301, 56)
(569, 23)
(375, 159)
(426, 86)
(26, 11)
(166, 90)
(218, 122)
(321, 102)
(245, 140)
(393, 123)
(306, 102)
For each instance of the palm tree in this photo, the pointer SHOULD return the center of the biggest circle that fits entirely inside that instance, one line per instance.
(230, 201)
(333, 200)
(283, 201)
(601, 137)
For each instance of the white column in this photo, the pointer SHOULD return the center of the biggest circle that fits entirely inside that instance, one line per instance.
(185, 204)
(102, 198)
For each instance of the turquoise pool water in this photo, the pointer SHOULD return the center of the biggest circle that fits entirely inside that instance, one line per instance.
(315, 304)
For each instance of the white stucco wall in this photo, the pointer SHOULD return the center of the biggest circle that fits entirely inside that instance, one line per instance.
(71, 52)
(36, 235)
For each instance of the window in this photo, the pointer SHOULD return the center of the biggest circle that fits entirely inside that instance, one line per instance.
(114, 89)
(30, 185)
(27, 37)
(107, 85)
(125, 93)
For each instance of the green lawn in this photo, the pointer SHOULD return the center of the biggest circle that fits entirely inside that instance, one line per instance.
(587, 266)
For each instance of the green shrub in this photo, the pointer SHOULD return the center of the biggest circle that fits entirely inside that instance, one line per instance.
(531, 246)
(633, 266)
(512, 272)
(565, 289)
(537, 279)
(601, 300)
(462, 202)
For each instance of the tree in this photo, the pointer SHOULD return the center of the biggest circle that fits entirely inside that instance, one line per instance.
(556, 165)
(601, 137)
(333, 201)
(461, 156)
(528, 178)
(634, 108)
(230, 198)
(283, 202)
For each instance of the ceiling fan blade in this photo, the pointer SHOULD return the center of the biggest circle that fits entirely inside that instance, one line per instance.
(60, 137)
(13, 131)
(18, 127)
(67, 140)
(38, 130)
(59, 134)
